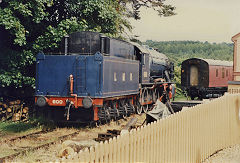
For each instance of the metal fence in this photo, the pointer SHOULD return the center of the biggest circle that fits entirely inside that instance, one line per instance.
(191, 135)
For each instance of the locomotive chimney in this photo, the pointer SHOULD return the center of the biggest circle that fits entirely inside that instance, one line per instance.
(66, 45)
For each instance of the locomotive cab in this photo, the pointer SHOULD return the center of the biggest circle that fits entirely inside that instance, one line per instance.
(153, 65)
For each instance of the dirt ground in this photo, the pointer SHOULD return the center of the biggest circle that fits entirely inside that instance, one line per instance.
(85, 134)
(228, 155)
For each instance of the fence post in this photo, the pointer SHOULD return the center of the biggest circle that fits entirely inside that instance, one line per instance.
(134, 145)
(110, 143)
(101, 151)
(188, 136)
(114, 156)
(92, 156)
(155, 142)
(118, 142)
(106, 152)
(131, 148)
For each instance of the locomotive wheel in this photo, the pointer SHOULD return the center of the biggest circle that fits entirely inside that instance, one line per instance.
(128, 107)
(117, 115)
(101, 114)
(107, 116)
(111, 112)
(114, 112)
(144, 96)
(155, 95)
(122, 108)
(139, 109)
(125, 112)
(129, 110)
(133, 109)
(145, 108)
(149, 95)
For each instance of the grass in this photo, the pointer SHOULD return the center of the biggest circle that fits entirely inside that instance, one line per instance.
(12, 129)
(16, 127)
(180, 97)
(21, 128)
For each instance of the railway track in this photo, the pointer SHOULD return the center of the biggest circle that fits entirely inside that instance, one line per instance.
(41, 139)
(178, 105)
(25, 136)
(38, 138)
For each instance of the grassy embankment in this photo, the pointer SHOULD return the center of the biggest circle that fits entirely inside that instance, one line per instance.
(9, 129)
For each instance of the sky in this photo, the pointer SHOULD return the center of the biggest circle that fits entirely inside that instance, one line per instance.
(198, 20)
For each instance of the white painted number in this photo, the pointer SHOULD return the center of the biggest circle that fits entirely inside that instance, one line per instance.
(123, 76)
(115, 76)
(145, 74)
(57, 101)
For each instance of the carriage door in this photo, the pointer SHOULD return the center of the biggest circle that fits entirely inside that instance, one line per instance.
(193, 75)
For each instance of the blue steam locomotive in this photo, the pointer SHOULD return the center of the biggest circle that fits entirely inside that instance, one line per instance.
(95, 78)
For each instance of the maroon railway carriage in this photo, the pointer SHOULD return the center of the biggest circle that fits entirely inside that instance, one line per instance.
(206, 78)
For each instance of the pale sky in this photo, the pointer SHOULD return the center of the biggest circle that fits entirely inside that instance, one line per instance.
(202, 20)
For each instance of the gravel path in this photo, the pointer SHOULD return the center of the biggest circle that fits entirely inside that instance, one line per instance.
(228, 155)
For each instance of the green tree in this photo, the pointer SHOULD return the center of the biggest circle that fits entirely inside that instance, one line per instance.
(178, 51)
(132, 7)
(28, 27)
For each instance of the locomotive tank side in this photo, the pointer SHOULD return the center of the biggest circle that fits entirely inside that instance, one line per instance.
(95, 72)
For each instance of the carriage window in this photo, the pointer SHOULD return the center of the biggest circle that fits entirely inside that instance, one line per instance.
(131, 76)
(223, 73)
(226, 72)
(216, 72)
